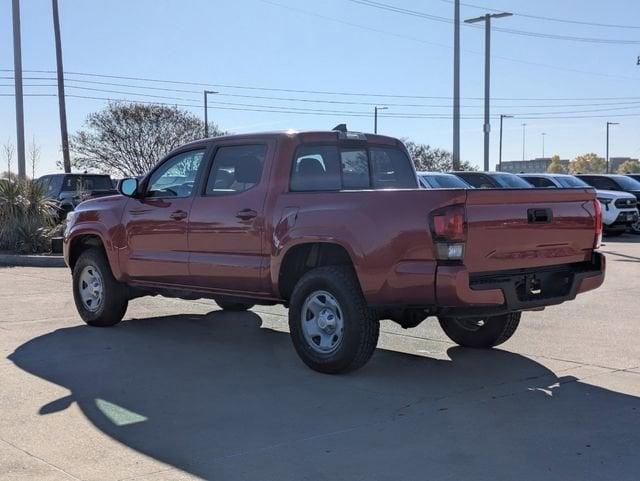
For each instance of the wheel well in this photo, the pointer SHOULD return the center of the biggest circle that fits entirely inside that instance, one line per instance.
(304, 257)
(82, 243)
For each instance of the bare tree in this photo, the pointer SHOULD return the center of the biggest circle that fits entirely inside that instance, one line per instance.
(429, 158)
(8, 151)
(34, 156)
(128, 139)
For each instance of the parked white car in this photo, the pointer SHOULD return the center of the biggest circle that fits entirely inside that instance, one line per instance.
(619, 209)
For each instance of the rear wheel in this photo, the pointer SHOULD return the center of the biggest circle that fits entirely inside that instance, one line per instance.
(332, 328)
(100, 299)
(233, 306)
(480, 332)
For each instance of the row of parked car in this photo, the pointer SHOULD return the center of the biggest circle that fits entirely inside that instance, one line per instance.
(618, 194)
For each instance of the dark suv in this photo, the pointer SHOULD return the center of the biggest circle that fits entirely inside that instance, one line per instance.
(618, 182)
(71, 189)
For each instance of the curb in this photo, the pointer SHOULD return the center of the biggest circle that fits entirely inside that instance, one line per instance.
(17, 260)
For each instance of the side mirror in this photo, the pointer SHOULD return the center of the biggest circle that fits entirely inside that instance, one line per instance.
(128, 187)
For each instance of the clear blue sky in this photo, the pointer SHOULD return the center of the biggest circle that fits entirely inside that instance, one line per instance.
(256, 43)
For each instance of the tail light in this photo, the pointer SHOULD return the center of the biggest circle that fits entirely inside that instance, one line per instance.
(598, 224)
(449, 230)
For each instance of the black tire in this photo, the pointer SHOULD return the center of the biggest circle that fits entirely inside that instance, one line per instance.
(470, 332)
(114, 301)
(361, 326)
(233, 306)
(614, 233)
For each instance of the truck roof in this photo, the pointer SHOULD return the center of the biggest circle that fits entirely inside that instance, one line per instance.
(305, 136)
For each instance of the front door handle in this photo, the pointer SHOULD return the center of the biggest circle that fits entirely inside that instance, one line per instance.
(178, 215)
(247, 214)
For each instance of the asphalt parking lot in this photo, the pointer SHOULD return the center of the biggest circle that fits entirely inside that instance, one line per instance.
(181, 390)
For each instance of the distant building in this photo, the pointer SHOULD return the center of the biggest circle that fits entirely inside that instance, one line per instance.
(536, 165)
(616, 162)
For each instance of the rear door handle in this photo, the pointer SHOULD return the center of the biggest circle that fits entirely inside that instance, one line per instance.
(247, 214)
(178, 215)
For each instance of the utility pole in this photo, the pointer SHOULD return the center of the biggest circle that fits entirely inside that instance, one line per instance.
(62, 107)
(456, 86)
(524, 126)
(17, 72)
(502, 116)
(206, 113)
(487, 75)
(608, 124)
(375, 118)
(543, 136)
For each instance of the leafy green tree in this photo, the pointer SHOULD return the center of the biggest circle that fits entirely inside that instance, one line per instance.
(428, 158)
(556, 167)
(629, 167)
(128, 139)
(588, 164)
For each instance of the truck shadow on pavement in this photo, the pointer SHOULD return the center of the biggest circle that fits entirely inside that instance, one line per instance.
(221, 398)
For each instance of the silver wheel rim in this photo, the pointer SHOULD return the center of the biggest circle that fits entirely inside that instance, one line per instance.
(91, 288)
(322, 322)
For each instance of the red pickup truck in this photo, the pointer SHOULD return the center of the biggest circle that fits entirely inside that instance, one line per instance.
(333, 226)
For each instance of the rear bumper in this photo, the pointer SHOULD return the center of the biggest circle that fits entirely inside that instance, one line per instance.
(463, 294)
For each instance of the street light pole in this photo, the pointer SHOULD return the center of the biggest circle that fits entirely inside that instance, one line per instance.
(487, 76)
(523, 139)
(375, 117)
(206, 112)
(502, 116)
(543, 135)
(17, 75)
(456, 86)
(62, 108)
(608, 124)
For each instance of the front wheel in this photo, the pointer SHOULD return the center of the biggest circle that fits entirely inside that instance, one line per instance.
(480, 332)
(332, 328)
(100, 299)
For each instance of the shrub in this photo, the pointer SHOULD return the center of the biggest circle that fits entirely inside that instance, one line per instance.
(27, 217)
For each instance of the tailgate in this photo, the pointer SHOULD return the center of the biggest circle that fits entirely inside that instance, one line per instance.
(524, 228)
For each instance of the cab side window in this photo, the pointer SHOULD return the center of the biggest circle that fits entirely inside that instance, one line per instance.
(539, 182)
(602, 183)
(235, 169)
(176, 177)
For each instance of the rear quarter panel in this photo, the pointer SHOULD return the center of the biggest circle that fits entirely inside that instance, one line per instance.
(386, 234)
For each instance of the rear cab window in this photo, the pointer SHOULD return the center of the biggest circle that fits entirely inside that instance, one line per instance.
(335, 168)
(74, 183)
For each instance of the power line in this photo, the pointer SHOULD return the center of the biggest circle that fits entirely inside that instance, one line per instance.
(416, 13)
(322, 112)
(311, 92)
(297, 99)
(610, 106)
(474, 52)
(549, 19)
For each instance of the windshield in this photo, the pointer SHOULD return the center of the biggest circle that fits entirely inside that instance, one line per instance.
(627, 183)
(571, 182)
(443, 181)
(74, 183)
(510, 181)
